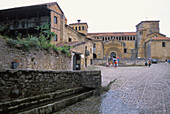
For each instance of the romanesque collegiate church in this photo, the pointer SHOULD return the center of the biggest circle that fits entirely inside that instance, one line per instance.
(145, 42)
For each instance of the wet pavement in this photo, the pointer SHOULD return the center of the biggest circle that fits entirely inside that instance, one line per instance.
(137, 90)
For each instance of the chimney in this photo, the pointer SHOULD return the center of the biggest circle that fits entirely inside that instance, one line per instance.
(78, 20)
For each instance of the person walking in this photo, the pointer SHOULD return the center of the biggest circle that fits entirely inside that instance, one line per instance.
(115, 64)
(149, 63)
(146, 64)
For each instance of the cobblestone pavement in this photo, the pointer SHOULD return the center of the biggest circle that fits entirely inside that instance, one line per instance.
(137, 90)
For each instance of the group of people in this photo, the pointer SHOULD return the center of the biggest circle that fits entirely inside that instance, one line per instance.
(148, 63)
(112, 62)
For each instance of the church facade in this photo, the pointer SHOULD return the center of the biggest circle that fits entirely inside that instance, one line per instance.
(146, 42)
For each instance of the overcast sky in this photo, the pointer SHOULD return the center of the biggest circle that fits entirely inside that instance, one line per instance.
(108, 15)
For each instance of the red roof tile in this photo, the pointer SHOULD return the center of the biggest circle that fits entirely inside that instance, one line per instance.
(161, 38)
(113, 34)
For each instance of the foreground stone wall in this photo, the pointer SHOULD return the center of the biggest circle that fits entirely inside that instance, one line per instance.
(33, 59)
(16, 84)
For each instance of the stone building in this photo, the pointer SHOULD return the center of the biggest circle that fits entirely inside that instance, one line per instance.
(24, 19)
(146, 42)
(86, 46)
(120, 44)
(158, 48)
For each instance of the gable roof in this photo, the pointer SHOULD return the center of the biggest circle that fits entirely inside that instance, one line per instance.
(43, 4)
(161, 38)
(157, 33)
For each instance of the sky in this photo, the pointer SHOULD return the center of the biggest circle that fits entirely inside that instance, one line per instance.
(108, 15)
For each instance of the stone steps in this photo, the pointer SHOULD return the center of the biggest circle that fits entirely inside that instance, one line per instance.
(46, 103)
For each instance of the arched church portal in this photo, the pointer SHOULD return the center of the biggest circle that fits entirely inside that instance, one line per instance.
(113, 55)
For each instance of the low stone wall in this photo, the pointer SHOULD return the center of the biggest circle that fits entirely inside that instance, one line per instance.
(134, 62)
(16, 84)
(33, 59)
(123, 62)
(99, 61)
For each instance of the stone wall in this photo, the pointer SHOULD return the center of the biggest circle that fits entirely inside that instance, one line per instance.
(99, 61)
(134, 62)
(123, 62)
(33, 59)
(17, 84)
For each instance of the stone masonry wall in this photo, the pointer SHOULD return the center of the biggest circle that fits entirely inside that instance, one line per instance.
(16, 84)
(33, 59)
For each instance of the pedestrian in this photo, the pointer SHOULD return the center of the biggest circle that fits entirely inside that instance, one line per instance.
(115, 64)
(117, 60)
(149, 63)
(146, 64)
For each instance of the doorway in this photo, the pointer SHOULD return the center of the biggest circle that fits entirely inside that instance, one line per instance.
(113, 55)
(76, 62)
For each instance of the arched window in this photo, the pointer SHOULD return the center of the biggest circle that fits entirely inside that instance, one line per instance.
(131, 38)
(69, 39)
(82, 27)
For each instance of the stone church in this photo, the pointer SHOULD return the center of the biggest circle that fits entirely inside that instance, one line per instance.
(145, 42)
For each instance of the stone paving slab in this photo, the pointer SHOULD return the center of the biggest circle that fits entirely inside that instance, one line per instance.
(137, 90)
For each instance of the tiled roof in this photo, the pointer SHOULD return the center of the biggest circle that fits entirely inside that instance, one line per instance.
(161, 38)
(113, 34)
(50, 3)
(77, 23)
(74, 44)
(156, 33)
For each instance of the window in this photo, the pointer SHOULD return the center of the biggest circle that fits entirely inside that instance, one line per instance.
(125, 50)
(79, 28)
(133, 37)
(122, 38)
(55, 38)
(76, 28)
(119, 38)
(128, 38)
(82, 27)
(55, 19)
(155, 36)
(163, 44)
(69, 39)
(94, 47)
(141, 33)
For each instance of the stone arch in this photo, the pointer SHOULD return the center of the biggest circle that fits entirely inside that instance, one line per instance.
(113, 49)
(113, 55)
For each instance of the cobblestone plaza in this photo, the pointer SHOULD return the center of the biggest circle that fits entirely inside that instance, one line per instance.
(137, 90)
